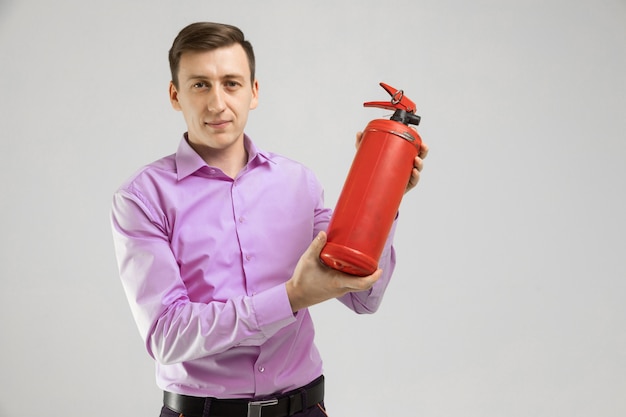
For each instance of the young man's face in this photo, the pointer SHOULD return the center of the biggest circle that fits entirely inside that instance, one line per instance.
(215, 94)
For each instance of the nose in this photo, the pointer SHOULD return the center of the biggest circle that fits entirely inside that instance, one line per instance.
(216, 101)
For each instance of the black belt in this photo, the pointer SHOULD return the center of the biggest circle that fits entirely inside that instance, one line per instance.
(281, 405)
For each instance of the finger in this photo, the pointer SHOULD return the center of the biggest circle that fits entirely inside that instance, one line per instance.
(423, 150)
(315, 248)
(418, 163)
(375, 276)
(415, 178)
(363, 283)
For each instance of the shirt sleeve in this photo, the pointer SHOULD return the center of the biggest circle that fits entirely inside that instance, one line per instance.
(173, 328)
(368, 302)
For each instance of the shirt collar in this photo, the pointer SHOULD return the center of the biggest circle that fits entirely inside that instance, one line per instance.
(188, 161)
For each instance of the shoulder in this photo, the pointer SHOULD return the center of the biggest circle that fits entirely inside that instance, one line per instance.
(288, 163)
(293, 175)
(151, 176)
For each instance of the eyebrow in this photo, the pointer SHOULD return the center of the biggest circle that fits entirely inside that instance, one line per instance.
(225, 77)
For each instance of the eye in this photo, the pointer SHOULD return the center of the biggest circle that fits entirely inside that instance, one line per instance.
(232, 84)
(200, 84)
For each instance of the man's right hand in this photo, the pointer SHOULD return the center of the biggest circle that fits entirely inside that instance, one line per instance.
(313, 282)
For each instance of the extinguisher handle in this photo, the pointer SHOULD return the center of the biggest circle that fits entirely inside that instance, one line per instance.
(398, 101)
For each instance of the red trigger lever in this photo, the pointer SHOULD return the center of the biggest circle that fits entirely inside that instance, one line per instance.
(398, 101)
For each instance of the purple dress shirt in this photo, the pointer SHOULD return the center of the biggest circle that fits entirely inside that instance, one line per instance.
(203, 259)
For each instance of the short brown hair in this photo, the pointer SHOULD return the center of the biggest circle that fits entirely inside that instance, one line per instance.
(207, 36)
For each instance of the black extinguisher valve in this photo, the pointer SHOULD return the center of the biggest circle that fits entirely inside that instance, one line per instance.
(405, 117)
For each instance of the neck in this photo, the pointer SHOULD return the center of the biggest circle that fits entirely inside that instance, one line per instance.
(232, 166)
(230, 160)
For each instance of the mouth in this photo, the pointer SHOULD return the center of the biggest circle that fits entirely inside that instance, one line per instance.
(217, 124)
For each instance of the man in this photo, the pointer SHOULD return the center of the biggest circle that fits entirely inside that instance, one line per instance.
(218, 249)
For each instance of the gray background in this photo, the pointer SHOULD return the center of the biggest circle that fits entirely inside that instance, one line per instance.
(508, 298)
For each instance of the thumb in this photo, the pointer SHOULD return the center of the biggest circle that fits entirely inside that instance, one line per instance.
(318, 244)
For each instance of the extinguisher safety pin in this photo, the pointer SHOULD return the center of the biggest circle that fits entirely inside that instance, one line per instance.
(397, 97)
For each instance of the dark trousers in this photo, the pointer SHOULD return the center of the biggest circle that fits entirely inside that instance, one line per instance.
(315, 411)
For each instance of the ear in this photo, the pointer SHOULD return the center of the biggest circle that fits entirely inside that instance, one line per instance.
(255, 95)
(174, 97)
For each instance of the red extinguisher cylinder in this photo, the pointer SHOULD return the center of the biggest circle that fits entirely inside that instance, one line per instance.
(371, 196)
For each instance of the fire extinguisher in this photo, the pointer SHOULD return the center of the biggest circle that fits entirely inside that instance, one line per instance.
(373, 189)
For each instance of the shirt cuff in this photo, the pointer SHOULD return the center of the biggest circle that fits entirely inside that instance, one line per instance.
(272, 309)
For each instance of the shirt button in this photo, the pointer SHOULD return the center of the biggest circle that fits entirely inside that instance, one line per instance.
(261, 369)
(248, 257)
(241, 220)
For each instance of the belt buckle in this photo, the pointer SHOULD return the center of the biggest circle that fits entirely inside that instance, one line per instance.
(254, 407)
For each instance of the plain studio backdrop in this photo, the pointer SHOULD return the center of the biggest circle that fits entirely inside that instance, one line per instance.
(508, 298)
